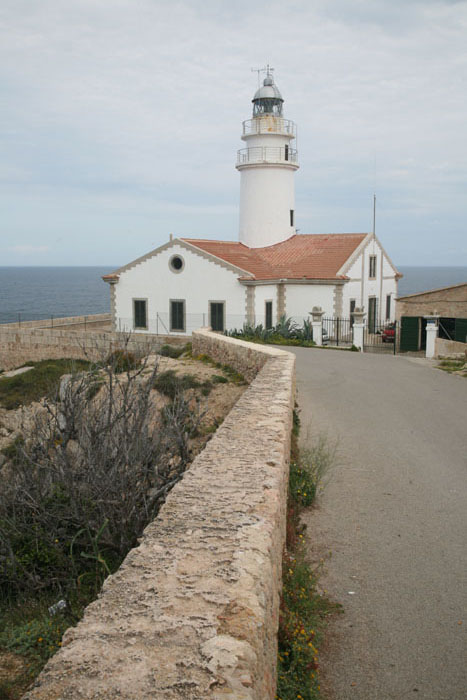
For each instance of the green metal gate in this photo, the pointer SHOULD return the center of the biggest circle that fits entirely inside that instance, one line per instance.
(460, 330)
(410, 333)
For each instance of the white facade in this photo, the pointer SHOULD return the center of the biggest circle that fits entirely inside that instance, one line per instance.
(152, 285)
(371, 284)
(300, 299)
(198, 284)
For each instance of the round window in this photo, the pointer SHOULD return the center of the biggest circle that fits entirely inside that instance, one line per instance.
(176, 263)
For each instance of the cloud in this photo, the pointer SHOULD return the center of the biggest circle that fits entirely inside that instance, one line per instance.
(139, 104)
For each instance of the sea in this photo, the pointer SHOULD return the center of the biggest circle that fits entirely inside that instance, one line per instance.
(30, 293)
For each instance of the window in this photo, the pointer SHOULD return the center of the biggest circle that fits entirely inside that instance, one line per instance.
(352, 309)
(268, 315)
(291, 217)
(177, 315)
(140, 313)
(388, 307)
(216, 315)
(372, 314)
(372, 272)
(176, 263)
(286, 153)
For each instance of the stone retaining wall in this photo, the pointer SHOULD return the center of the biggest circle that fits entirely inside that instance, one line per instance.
(193, 611)
(449, 347)
(20, 343)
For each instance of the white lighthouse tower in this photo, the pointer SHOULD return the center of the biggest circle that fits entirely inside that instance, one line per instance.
(267, 166)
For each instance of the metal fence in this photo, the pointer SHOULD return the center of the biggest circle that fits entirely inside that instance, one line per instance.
(337, 331)
(382, 337)
(160, 324)
(47, 320)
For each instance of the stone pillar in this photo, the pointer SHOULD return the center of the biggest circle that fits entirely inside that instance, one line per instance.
(431, 335)
(317, 324)
(358, 328)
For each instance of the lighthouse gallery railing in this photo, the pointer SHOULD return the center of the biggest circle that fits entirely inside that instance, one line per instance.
(269, 125)
(267, 154)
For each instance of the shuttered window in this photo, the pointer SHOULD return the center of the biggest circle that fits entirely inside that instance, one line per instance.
(177, 315)
(268, 315)
(352, 309)
(140, 313)
(216, 314)
(372, 271)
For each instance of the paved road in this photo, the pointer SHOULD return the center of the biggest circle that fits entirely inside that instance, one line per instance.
(394, 516)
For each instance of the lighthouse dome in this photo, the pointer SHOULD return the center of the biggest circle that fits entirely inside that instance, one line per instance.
(267, 99)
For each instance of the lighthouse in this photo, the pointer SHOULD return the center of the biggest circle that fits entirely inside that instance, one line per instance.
(267, 165)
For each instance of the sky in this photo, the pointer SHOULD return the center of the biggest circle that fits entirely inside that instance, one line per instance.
(120, 121)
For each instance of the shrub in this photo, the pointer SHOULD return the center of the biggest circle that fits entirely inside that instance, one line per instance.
(169, 384)
(172, 351)
(121, 360)
(88, 478)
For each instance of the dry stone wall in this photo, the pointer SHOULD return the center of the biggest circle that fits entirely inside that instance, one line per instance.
(193, 611)
(20, 343)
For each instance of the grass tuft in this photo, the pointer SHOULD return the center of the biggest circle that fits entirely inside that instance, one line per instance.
(42, 380)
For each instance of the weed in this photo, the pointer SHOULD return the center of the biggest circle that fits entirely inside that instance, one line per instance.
(307, 473)
(219, 379)
(450, 366)
(303, 610)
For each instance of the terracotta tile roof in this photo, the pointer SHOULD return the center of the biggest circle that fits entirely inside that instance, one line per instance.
(310, 256)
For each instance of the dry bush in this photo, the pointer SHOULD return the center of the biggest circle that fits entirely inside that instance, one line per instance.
(89, 477)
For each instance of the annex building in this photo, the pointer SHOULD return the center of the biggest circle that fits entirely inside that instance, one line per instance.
(270, 271)
(446, 305)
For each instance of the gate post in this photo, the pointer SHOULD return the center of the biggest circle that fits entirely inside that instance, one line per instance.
(431, 335)
(317, 324)
(358, 328)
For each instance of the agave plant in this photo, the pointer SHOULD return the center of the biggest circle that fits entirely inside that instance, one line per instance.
(306, 332)
(286, 328)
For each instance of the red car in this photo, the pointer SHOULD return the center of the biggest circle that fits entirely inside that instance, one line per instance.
(387, 334)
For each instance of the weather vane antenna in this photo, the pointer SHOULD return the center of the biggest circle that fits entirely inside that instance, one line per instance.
(267, 69)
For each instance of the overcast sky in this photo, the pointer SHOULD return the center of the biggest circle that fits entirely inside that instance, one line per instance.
(120, 121)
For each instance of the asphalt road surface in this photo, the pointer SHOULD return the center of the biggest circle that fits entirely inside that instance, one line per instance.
(394, 517)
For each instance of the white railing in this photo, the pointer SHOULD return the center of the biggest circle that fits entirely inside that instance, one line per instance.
(269, 125)
(267, 154)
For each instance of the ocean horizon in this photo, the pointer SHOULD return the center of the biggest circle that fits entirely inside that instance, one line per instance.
(39, 292)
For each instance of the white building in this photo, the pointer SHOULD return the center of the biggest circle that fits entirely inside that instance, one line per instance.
(271, 271)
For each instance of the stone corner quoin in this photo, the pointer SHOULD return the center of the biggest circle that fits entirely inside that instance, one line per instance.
(193, 610)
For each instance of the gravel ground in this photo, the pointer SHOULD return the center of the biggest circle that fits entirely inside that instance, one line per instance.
(394, 517)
